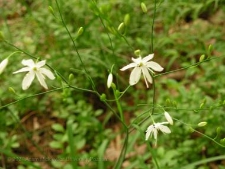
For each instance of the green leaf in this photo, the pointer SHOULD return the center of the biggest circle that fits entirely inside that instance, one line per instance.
(55, 144)
(58, 127)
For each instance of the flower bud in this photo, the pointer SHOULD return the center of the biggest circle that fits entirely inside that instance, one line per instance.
(137, 52)
(210, 48)
(143, 7)
(71, 77)
(113, 86)
(201, 105)
(201, 124)
(103, 97)
(121, 27)
(126, 19)
(218, 130)
(80, 31)
(109, 80)
(222, 141)
(168, 117)
(191, 129)
(3, 64)
(168, 102)
(202, 57)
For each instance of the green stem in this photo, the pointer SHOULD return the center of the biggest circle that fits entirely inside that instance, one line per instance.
(75, 46)
(14, 53)
(153, 22)
(118, 104)
(123, 152)
(153, 98)
(14, 102)
(187, 67)
(124, 125)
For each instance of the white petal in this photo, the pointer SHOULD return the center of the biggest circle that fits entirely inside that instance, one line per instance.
(155, 132)
(29, 63)
(25, 69)
(168, 118)
(146, 75)
(128, 66)
(135, 75)
(155, 66)
(109, 80)
(147, 135)
(164, 129)
(147, 58)
(137, 60)
(41, 63)
(148, 132)
(47, 73)
(3, 64)
(41, 79)
(27, 80)
(149, 128)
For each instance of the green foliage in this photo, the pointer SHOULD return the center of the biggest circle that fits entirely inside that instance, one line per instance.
(79, 122)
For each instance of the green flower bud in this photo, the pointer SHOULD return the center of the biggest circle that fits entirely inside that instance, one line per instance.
(222, 141)
(201, 124)
(137, 52)
(103, 97)
(71, 77)
(113, 86)
(202, 57)
(143, 7)
(210, 48)
(174, 104)
(218, 130)
(201, 105)
(121, 28)
(191, 129)
(168, 102)
(80, 31)
(126, 19)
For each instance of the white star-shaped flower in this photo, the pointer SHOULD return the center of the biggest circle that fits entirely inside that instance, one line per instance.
(142, 65)
(3, 64)
(34, 69)
(153, 130)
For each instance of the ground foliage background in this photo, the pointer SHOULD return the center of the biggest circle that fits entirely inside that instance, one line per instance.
(76, 126)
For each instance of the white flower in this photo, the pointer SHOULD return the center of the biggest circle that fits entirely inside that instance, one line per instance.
(109, 80)
(34, 69)
(3, 64)
(142, 66)
(153, 130)
(168, 117)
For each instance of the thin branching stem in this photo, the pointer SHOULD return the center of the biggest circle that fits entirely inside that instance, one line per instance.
(75, 46)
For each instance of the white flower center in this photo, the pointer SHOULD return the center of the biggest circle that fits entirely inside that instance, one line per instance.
(140, 64)
(35, 68)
